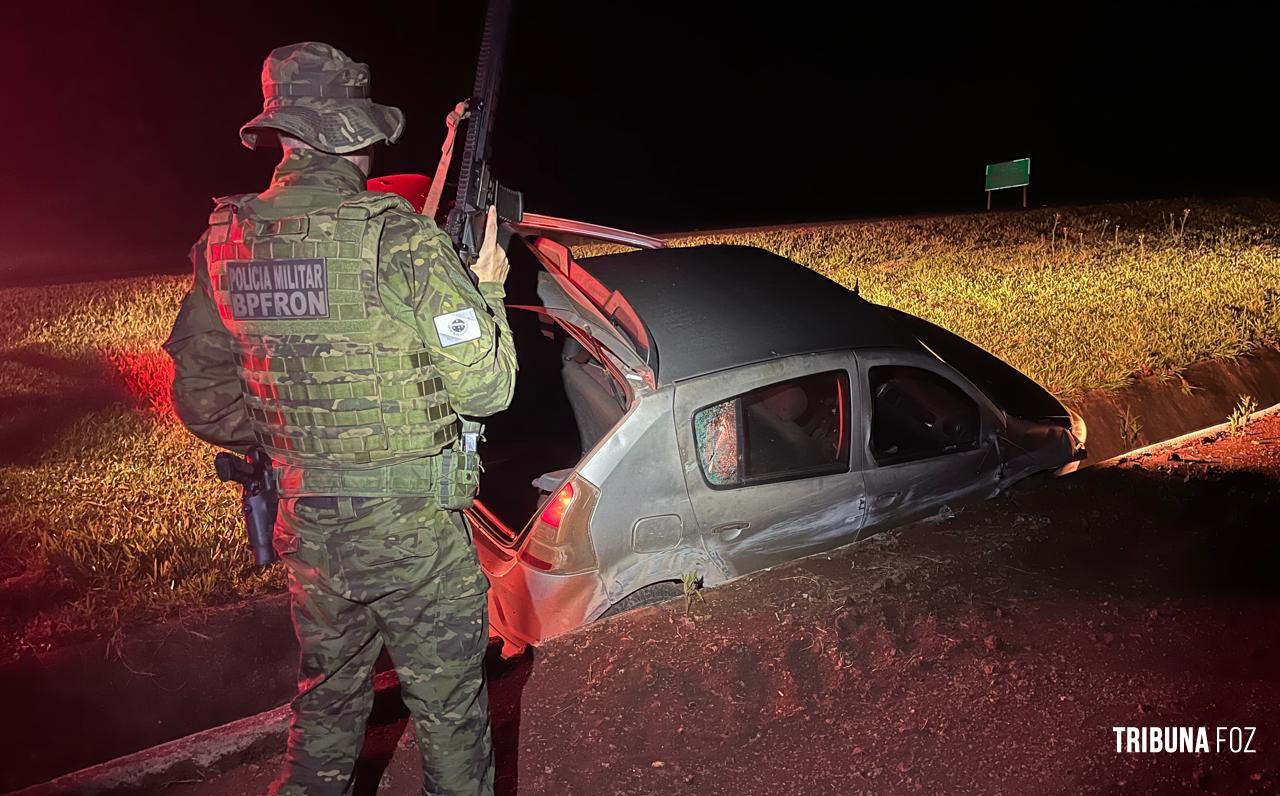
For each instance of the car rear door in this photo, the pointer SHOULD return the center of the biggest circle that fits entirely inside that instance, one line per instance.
(768, 459)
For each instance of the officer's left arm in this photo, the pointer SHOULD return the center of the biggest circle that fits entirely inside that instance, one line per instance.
(464, 329)
(206, 383)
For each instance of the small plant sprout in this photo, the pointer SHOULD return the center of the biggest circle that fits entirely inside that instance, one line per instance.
(692, 583)
(1238, 420)
(1130, 429)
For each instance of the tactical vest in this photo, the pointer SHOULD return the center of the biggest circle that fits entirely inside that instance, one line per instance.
(330, 379)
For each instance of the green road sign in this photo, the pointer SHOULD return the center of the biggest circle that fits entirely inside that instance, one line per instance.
(1013, 174)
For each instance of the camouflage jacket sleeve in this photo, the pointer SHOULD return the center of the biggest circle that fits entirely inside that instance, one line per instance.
(465, 328)
(206, 383)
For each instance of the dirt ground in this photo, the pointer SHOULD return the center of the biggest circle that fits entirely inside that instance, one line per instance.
(989, 652)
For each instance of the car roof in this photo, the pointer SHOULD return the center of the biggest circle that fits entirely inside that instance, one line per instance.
(713, 307)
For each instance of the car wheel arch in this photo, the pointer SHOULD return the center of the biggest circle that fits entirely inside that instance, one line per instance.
(649, 594)
(669, 568)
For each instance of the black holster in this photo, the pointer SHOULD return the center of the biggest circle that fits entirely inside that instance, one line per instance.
(259, 500)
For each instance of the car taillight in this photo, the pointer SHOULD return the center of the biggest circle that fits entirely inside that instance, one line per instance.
(553, 514)
(560, 540)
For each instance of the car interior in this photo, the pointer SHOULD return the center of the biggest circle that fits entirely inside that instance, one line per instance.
(916, 414)
(564, 402)
(793, 427)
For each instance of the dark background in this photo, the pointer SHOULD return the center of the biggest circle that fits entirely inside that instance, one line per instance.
(121, 120)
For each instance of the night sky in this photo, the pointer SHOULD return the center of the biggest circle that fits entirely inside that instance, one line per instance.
(651, 116)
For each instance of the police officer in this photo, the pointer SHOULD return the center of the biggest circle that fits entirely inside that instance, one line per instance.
(337, 329)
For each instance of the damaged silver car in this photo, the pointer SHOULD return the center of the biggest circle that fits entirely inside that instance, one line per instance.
(718, 410)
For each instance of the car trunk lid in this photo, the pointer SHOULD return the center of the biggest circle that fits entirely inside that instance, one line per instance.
(604, 318)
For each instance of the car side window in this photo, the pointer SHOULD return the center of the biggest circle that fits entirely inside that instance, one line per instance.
(793, 429)
(918, 414)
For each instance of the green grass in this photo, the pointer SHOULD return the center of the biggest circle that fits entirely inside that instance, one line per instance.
(109, 509)
(1238, 420)
(1063, 295)
(110, 512)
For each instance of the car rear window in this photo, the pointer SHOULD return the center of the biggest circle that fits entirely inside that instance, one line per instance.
(797, 428)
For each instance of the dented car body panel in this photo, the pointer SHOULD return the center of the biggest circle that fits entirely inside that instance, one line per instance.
(734, 411)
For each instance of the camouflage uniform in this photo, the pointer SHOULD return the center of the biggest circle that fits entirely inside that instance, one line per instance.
(354, 406)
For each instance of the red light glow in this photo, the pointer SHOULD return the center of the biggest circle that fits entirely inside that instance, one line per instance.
(840, 414)
(147, 376)
(413, 187)
(553, 514)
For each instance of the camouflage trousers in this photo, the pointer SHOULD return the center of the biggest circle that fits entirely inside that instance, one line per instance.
(364, 572)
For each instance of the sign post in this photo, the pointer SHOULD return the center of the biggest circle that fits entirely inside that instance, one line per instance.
(1010, 174)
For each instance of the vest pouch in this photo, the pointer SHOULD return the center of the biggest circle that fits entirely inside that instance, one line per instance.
(458, 476)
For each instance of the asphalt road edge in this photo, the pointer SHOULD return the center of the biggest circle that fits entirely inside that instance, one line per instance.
(198, 756)
(195, 756)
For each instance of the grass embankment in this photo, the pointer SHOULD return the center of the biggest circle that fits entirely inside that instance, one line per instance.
(1078, 299)
(109, 509)
(110, 513)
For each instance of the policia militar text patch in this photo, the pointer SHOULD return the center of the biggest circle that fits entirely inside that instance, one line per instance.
(278, 288)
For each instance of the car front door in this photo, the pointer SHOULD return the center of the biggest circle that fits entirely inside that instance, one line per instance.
(929, 437)
(769, 459)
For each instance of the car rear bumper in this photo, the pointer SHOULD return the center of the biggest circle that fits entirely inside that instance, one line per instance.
(528, 606)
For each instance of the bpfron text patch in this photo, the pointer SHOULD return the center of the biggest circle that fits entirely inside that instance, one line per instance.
(278, 289)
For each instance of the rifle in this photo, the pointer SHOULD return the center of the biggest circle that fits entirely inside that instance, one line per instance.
(259, 500)
(477, 188)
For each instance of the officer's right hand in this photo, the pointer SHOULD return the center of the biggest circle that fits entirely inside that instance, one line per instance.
(491, 265)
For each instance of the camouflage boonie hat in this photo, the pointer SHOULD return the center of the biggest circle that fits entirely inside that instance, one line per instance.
(313, 92)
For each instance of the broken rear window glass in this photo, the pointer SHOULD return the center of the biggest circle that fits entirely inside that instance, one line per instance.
(792, 429)
(716, 430)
